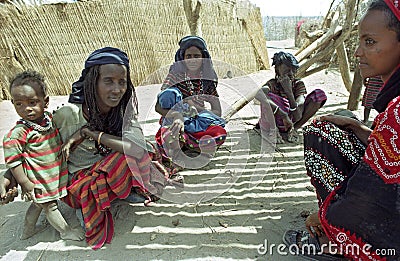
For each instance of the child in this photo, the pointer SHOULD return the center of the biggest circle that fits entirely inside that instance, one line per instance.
(372, 87)
(31, 153)
(292, 106)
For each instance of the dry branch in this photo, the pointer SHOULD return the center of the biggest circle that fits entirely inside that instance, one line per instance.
(324, 47)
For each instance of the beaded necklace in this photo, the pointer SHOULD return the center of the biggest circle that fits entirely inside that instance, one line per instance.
(45, 125)
(190, 86)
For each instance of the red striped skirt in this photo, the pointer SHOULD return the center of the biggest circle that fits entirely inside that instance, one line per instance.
(93, 189)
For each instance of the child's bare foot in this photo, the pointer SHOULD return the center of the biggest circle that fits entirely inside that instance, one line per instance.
(31, 231)
(73, 234)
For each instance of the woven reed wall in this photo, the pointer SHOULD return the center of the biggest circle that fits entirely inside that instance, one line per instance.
(56, 39)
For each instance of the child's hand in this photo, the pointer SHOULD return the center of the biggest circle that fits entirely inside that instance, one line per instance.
(286, 83)
(71, 144)
(27, 191)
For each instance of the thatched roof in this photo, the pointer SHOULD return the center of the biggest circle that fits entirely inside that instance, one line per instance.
(56, 39)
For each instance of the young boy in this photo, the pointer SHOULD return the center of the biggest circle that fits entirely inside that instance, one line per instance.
(31, 151)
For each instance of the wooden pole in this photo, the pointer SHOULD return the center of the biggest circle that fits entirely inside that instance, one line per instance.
(355, 92)
(192, 17)
(344, 65)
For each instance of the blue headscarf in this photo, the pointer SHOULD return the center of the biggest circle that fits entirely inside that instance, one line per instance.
(106, 55)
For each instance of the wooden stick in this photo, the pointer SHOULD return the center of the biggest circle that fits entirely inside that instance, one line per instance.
(246, 95)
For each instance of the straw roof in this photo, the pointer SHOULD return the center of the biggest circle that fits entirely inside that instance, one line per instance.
(56, 39)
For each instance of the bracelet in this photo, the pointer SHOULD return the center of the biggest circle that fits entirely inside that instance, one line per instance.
(293, 109)
(99, 137)
(276, 110)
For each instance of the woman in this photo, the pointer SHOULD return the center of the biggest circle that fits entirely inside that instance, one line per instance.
(354, 169)
(103, 166)
(185, 121)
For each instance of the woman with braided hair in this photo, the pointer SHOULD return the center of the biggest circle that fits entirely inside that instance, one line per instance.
(107, 157)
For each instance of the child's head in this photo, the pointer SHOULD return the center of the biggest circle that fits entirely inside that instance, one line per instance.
(378, 51)
(285, 64)
(29, 95)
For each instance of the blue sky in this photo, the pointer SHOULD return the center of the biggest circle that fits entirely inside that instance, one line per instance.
(293, 7)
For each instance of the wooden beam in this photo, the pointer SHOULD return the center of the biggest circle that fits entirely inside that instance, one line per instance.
(355, 92)
(344, 65)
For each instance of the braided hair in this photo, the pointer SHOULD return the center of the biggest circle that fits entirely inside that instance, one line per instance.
(112, 123)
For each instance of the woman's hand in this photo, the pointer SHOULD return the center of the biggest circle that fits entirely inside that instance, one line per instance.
(358, 128)
(338, 120)
(313, 225)
(70, 145)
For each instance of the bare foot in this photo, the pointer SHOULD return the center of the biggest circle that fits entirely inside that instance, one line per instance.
(279, 139)
(31, 231)
(73, 234)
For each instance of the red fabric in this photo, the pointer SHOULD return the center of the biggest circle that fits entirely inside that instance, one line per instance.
(344, 239)
(94, 189)
(394, 6)
(192, 140)
(383, 152)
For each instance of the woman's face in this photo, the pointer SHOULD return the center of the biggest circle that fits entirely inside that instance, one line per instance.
(192, 58)
(378, 51)
(111, 86)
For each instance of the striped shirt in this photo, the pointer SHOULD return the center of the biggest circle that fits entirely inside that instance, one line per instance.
(298, 88)
(37, 151)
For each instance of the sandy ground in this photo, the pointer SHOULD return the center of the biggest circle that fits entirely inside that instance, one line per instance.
(270, 193)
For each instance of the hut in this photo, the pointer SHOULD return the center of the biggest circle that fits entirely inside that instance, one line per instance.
(55, 39)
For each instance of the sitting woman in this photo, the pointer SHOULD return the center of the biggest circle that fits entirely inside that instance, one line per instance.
(102, 165)
(354, 169)
(287, 97)
(186, 123)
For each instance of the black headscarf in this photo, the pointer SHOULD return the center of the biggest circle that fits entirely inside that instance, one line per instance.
(106, 55)
(389, 91)
(285, 58)
(189, 41)
(208, 72)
